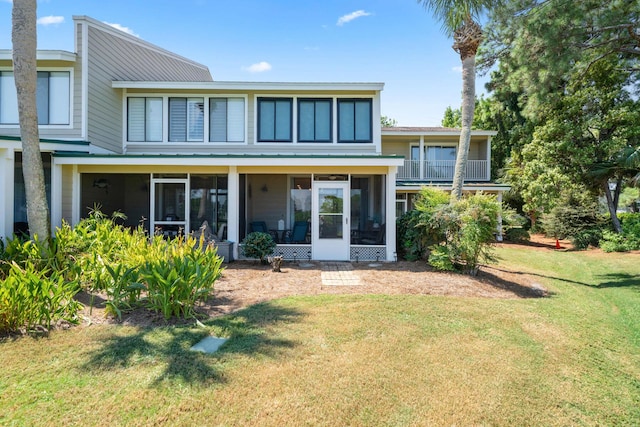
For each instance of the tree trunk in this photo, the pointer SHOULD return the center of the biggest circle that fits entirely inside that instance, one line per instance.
(612, 208)
(468, 106)
(25, 72)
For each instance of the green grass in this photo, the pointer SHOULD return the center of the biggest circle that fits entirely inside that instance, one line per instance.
(570, 359)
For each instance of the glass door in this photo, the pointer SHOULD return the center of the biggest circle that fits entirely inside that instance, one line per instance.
(331, 231)
(168, 207)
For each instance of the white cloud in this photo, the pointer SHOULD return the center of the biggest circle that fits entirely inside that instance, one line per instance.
(351, 16)
(122, 28)
(50, 20)
(457, 69)
(259, 67)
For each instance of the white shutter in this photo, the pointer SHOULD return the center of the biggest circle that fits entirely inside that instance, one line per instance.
(59, 105)
(135, 119)
(154, 119)
(235, 119)
(218, 120)
(8, 99)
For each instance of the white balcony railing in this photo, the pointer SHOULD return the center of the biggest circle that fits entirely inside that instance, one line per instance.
(442, 170)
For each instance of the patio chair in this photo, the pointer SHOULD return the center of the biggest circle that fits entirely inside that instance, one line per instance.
(377, 238)
(259, 226)
(299, 232)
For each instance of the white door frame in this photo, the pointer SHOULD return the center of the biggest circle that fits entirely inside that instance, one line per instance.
(182, 222)
(331, 248)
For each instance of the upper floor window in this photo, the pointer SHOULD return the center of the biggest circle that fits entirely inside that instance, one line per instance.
(274, 119)
(226, 119)
(52, 98)
(354, 120)
(435, 153)
(314, 120)
(186, 119)
(144, 119)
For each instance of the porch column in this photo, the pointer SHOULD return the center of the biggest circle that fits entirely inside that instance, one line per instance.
(75, 195)
(489, 160)
(391, 213)
(499, 235)
(7, 158)
(421, 156)
(233, 208)
(56, 195)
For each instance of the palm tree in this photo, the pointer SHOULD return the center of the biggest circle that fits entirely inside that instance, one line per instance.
(459, 20)
(23, 37)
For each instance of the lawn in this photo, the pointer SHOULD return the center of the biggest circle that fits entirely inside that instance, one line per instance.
(569, 359)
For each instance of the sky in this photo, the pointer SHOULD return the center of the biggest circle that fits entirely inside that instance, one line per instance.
(395, 42)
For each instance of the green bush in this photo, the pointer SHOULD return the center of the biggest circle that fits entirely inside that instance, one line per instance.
(513, 226)
(516, 235)
(572, 215)
(584, 238)
(469, 228)
(614, 242)
(414, 233)
(179, 276)
(258, 245)
(31, 297)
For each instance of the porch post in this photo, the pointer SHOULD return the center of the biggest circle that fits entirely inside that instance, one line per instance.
(391, 213)
(233, 208)
(421, 156)
(499, 235)
(56, 195)
(75, 195)
(489, 160)
(7, 157)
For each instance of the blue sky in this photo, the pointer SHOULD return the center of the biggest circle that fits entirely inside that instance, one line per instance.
(396, 42)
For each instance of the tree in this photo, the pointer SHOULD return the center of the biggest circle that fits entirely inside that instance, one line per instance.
(23, 37)
(388, 122)
(459, 19)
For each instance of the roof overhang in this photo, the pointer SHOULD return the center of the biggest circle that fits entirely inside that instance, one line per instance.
(226, 160)
(253, 86)
(14, 142)
(42, 55)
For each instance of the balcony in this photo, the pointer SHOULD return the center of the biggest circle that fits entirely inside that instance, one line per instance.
(442, 170)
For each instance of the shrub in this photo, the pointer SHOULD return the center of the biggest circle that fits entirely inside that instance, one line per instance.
(469, 228)
(513, 226)
(258, 245)
(180, 275)
(414, 233)
(614, 242)
(31, 297)
(571, 216)
(582, 239)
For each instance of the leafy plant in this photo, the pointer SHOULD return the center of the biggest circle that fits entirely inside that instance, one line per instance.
(258, 245)
(469, 228)
(180, 275)
(32, 297)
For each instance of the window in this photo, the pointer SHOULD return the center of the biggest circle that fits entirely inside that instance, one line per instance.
(52, 98)
(435, 153)
(226, 120)
(274, 119)
(144, 119)
(186, 119)
(354, 120)
(314, 120)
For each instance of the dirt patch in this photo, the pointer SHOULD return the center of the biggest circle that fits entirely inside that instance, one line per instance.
(244, 283)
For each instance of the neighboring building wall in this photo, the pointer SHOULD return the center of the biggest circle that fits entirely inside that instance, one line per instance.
(109, 55)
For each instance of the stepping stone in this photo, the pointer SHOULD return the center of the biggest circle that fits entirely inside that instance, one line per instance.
(208, 345)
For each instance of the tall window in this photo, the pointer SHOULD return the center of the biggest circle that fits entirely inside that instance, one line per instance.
(354, 120)
(314, 120)
(274, 119)
(52, 98)
(144, 119)
(186, 119)
(226, 120)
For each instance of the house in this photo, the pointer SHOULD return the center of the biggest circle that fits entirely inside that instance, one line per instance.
(131, 127)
